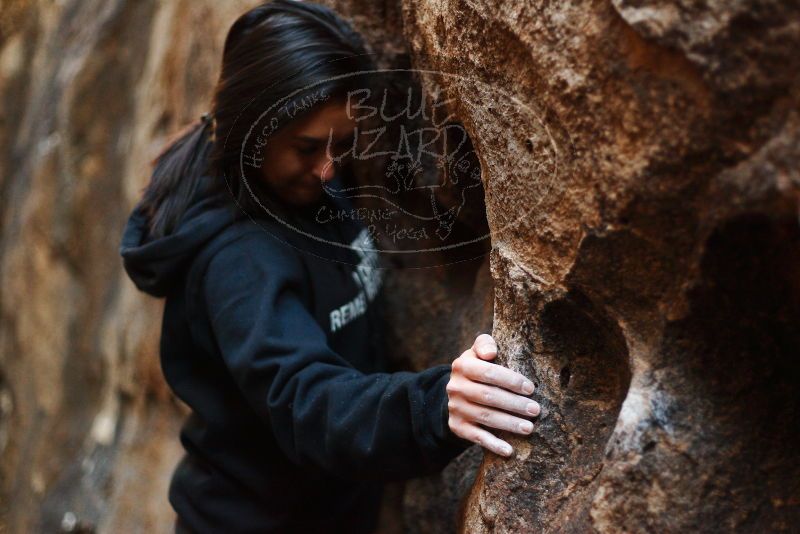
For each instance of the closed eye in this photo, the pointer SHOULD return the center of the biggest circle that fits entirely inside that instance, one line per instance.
(338, 148)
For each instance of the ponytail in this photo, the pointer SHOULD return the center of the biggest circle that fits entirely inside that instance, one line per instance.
(177, 176)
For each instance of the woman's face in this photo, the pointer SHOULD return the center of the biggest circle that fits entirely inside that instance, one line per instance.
(296, 159)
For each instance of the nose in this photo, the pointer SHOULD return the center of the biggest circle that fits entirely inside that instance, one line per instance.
(324, 169)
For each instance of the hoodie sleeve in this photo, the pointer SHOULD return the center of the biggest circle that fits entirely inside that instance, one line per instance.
(324, 412)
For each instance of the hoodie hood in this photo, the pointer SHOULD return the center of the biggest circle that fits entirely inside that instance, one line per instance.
(156, 265)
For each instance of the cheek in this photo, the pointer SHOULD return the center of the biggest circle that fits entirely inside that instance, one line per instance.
(295, 164)
(283, 165)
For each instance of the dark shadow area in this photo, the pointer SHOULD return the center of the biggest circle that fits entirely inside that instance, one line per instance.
(734, 366)
(419, 165)
(416, 174)
(584, 377)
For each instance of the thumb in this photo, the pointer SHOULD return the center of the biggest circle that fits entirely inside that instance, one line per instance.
(485, 347)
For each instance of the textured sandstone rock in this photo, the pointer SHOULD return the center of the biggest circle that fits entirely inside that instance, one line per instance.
(652, 285)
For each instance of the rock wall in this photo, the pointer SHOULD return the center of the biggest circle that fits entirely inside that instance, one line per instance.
(640, 168)
(645, 234)
(89, 90)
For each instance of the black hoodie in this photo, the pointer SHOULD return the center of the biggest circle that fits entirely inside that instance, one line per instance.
(273, 339)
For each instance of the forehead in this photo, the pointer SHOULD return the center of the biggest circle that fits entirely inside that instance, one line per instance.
(319, 121)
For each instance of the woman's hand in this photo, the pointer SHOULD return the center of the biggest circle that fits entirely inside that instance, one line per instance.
(479, 391)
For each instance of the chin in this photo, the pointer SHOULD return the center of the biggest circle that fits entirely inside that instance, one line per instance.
(306, 197)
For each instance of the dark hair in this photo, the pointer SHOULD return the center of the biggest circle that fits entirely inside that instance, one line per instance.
(277, 50)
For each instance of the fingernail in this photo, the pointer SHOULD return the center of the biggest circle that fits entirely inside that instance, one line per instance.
(487, 348)
(527, 387)
(526, 427)
(506, 450)
(533, 408)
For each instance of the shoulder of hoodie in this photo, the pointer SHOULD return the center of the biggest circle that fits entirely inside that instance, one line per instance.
(258, 243)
